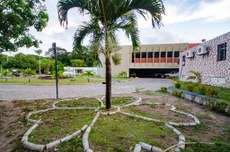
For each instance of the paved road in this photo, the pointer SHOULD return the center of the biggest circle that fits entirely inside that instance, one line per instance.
(11, 92)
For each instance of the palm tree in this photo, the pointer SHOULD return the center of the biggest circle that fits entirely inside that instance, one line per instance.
(39, 52)
(197, 75)
(106, 18)
(89, 73)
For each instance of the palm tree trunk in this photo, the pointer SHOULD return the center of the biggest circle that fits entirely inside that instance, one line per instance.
(108, 89)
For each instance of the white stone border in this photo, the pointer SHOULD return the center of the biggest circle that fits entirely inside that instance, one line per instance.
(39, 147)
(85, 141)
(181, 139)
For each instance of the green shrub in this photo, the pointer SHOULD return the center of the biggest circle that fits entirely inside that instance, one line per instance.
(201, 89)
(190, 88)
(122, 74)
(177, 93)
(174, 92)
(221, 106)
(212, 103)
(177, 85)
(164, 89)
(211, 91)
(202, 147)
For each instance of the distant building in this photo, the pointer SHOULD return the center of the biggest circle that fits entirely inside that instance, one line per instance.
(72, 71)
(151, 61)
(211, 59)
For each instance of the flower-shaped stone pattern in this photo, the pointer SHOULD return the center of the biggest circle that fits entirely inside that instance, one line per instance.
(118, 110)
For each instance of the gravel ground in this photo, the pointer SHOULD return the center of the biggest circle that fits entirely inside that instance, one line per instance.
(11, 92)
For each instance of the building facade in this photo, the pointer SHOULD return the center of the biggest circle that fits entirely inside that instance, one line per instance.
(150, 60)
(211, 59)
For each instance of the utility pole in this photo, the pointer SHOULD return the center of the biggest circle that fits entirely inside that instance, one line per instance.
(56, 68)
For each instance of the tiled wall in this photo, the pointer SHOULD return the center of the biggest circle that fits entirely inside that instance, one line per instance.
(213, 72)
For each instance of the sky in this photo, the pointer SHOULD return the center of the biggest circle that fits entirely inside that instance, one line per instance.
(186, 21)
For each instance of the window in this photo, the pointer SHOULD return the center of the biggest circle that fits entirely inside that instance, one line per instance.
(176, 54)
(163, 54)
(150, 54)
(169, 54)
(221, 52)
(137, 55)
(156, 55)
(143, 55)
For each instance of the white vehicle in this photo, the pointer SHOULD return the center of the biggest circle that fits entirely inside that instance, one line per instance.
(172, 74)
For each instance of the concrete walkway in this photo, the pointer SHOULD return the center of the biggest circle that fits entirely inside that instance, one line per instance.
(18, 92)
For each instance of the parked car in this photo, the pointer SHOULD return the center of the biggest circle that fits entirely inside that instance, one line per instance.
(172, 74)
(158, 75)
(15, 73)
(133, 75)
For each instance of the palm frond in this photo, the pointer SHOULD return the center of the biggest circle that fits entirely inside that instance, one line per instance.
(88, 28)
(64, 6)
(154, 7)
(128, 23)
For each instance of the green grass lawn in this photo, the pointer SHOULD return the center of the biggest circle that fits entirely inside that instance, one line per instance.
(120, 133)
(59, 123)
(121, 100)
(81, 102)
(70, 81)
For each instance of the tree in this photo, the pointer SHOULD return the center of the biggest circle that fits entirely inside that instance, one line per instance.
(17, 17)
(77, 63)
(39, 52)
(3, 59)
(45, 65)
(197, 75)
(106, 18)
(21, 61)
(89, 73)
(62, 55)
(87, 54)
(59, 64)
(29, 72)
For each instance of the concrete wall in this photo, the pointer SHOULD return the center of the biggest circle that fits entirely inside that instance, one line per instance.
(126, 54)
(213, 72)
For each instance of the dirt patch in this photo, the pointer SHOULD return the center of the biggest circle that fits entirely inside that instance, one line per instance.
(13, 123)
(214, 127)
(160, 112)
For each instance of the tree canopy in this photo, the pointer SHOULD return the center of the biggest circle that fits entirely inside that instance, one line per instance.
(22, 61)
(17, 17)
(107, 17)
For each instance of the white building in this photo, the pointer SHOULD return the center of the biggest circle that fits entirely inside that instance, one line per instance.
(72, 71)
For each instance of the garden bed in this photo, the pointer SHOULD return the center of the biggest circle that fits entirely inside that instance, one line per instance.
(81, 102)
(158, 111)
(58, 124)
(121, 132)
(212, 103)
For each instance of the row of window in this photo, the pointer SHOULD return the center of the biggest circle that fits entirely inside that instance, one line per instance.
(155, 54)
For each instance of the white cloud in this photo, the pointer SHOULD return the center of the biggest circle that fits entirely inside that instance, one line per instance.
(209, 11)
(178, 11)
